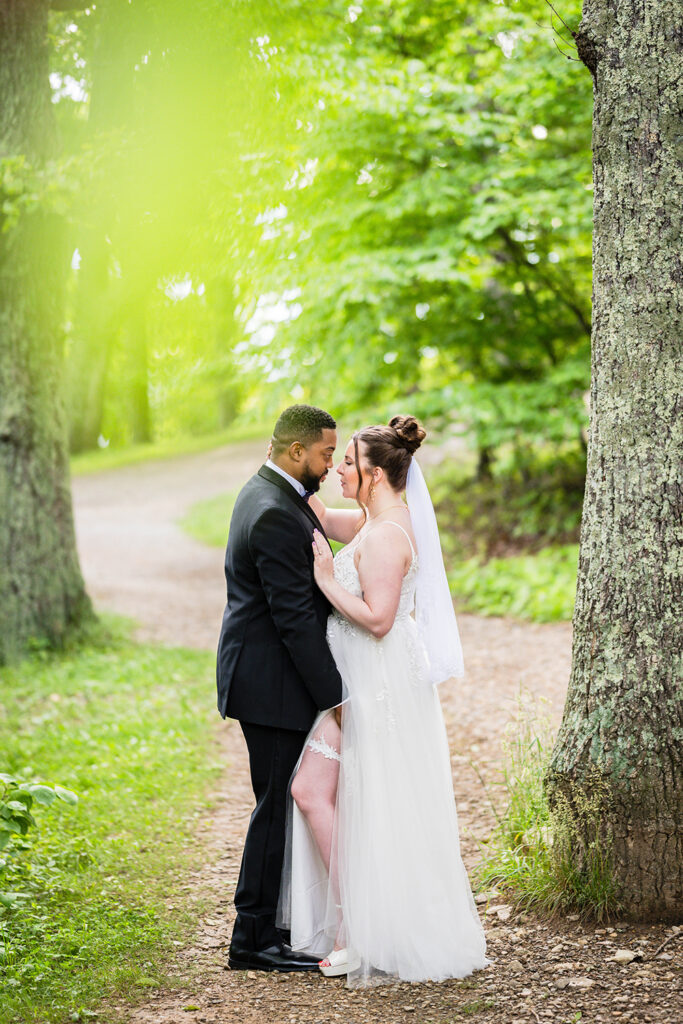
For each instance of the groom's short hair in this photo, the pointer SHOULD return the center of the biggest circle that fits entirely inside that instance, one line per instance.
(303, 423)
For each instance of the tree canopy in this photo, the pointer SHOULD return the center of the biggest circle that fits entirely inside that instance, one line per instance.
(356, 205)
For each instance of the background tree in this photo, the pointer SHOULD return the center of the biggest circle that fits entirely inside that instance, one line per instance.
(41, 590)
(434, 226)
(105, 46)
(404, 191)
(120, 198)
(618, 762)
(174, 99)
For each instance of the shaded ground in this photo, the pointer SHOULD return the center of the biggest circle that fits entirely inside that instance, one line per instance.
(137, 562)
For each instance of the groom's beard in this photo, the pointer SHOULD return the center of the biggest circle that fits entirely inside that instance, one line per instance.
(310, 481)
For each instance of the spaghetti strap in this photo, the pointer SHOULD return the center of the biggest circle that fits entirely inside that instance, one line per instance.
(390, 522)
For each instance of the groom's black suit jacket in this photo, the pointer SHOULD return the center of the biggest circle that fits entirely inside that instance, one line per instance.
(274, 666)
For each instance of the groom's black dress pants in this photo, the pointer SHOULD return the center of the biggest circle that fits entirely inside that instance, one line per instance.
(273, 753)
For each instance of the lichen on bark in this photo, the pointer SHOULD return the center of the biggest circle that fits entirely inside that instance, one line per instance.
(42, 597)
(624, 712)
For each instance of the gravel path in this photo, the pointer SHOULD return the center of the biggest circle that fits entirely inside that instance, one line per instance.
(138, 562)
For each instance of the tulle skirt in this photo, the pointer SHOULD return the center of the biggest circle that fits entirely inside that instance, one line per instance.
(397, 880)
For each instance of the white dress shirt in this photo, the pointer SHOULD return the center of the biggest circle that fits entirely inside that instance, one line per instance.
(296, 484)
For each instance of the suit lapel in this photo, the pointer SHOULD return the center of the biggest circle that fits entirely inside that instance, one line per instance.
(274, 478)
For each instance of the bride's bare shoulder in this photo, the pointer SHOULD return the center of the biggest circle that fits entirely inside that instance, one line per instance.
(389, 540)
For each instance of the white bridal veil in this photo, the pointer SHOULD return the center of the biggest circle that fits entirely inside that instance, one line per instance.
(434, 613)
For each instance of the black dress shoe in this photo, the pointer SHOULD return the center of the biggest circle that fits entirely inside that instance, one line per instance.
(275, 958)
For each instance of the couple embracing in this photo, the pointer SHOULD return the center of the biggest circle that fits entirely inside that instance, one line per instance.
(351, 863)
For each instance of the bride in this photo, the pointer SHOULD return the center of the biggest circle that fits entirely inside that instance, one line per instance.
(373, 881)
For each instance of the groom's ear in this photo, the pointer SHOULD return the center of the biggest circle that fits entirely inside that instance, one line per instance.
(296, 450)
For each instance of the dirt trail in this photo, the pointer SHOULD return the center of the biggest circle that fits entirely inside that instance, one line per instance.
(138, 562)
(135, 558)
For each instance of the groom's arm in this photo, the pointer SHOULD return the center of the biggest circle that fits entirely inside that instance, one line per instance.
(283, 557)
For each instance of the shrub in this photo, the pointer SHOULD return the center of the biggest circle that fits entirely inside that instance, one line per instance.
(17, 797)
(530, 853)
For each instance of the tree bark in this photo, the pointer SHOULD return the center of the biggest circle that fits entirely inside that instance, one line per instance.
(41, 590)
(619, 750)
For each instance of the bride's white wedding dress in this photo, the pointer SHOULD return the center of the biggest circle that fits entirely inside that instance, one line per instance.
(402, 888)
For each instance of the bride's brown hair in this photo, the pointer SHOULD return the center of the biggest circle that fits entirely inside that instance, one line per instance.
(390, 448)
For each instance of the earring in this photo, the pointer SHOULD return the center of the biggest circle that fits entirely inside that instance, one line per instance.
(371, 492)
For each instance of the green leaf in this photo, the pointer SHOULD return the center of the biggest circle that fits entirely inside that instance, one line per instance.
(42, 794)
(8, 899)
(10, 826)
(17, 805)
(24, 796)
(66, 795)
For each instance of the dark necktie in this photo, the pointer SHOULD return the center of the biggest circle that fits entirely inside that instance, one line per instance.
(306, 495)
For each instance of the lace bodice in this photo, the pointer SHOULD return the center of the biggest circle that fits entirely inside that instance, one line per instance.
(346, 573)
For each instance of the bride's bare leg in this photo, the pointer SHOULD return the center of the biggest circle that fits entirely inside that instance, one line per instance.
(314, 790)
(314, 787)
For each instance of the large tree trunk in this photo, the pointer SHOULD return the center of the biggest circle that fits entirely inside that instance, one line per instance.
(41, 589)
(617, 766)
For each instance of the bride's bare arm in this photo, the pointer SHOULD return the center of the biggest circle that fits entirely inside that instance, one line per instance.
(381, 569)
(338, 523)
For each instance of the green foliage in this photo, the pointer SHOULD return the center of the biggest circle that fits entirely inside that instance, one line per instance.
(520, 506)
(24, 188)
(509, 537)
(349, 205)
(522, 421)
(475, 1006)
(126, 727)
(16, 799)
(114, 458)
(531, 851)
(168, 103)
(435, 227)
(538, 587)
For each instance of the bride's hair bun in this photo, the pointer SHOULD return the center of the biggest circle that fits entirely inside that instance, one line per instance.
(409, 430)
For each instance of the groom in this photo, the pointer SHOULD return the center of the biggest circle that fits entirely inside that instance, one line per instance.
(274, 668)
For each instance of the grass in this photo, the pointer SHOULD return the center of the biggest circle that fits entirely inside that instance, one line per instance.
(539, 587)
(129, 728)
(113, 458)
(530, 853)
(208, 521)
(476, 1006)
